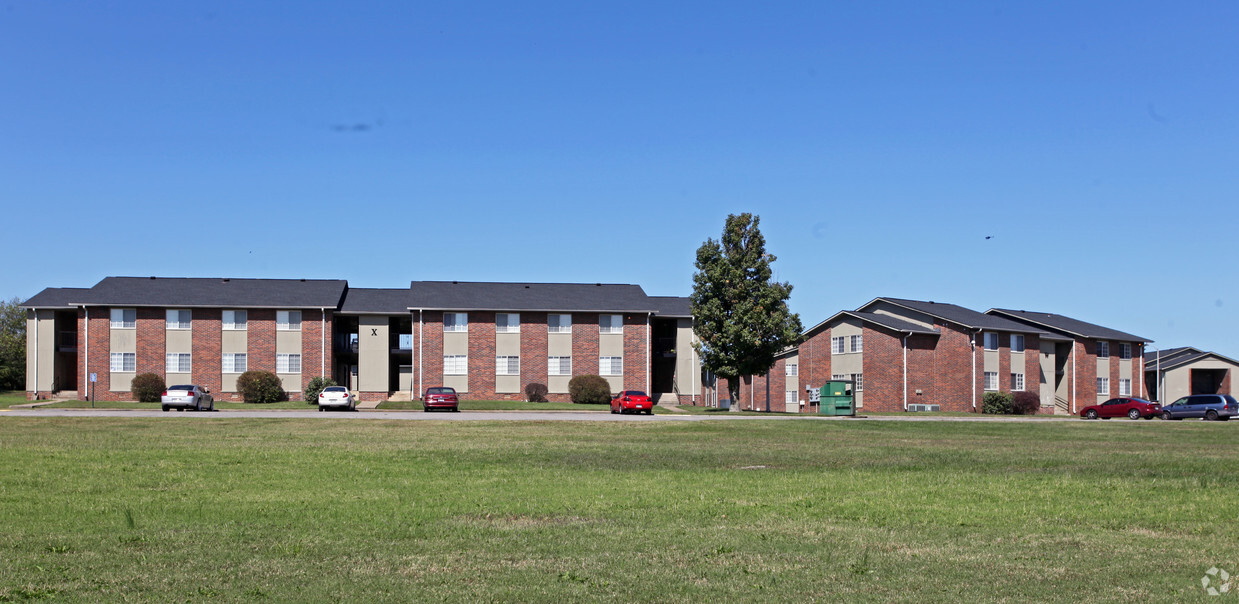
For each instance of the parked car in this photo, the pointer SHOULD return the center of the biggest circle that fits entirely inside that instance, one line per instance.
(440, 397)
(336, 397)
(1132, 407)
(1207, 406)
(187, 396)
(632, 400)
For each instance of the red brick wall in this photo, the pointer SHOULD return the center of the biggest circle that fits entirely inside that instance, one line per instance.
(1032, 365)
(431, 348)
(1086, 374)
(260, 340)
(636, 352)
(317, 356)
(815, 360)
(97, 337)
(481, 355)
(208, 350)
(882, 367)
(534, 352)
(584, 344)
(1004, 362)
(941, 368)
(151, 334)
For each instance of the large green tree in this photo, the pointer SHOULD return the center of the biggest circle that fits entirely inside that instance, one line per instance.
(12, 346)
(740, 313)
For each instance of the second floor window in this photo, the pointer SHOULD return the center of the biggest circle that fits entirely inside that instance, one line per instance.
(856, 344)
(1017, 342)
(1124, 350)
(124, 318)
(288, 320)
(793, 369)
(1103, 350)
(507, 322)
(234, 320)
(559, 323)
(991, 341)
(179, 319)
(610, 323)
(455, 321)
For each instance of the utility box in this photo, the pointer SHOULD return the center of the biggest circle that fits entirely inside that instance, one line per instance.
(836, 398)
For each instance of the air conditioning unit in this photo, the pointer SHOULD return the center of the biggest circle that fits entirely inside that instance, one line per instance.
(922, 408)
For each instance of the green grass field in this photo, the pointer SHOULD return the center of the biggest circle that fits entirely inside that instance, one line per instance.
(108, 509)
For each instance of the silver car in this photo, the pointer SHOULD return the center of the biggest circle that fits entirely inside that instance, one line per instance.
(1211, 407)
(337, 397)
(187, 396)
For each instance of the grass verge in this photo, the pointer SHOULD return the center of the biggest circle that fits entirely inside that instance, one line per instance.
(301, 510)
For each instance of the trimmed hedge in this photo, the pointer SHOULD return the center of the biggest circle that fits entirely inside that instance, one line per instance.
(996, 403)
(260, 387)
(536, 393)
(316, 386)
(589, 390)
(147, 387)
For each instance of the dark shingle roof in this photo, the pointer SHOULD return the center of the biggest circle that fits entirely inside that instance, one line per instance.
(672, 306)
(590, 297)
(1151, 356)
(886, 321)
(57, 297)
(247, 293)
(1067, 325)
(363, 301)
(959, 315)
(1183, 356)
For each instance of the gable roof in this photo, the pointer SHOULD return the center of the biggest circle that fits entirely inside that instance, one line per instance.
(672, 306)
(887, 321)
(580, 297)
(1067, 325)
(1185, 356)
(56, 297)
(959, 315)
(1169, 353)
(375, 301)
(200, 292)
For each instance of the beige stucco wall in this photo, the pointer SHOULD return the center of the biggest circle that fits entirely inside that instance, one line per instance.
(122, 339)
(179, 340)
(228, 382)
(40, 333)
(687, 376)
(455, 342)
(406, 378)
(1017, 366)
(291, 382)
(557, 384)
(1046, 377)
(459, 382)
(991, 361)
(611, 345)
(174, 379)
(507, 384)
(232, 341)
(616, 382)
(559, 344)
(1103, 370)
(1178, 382)
(847, 362)
(289, 342)
(508, 344)
(1125, 373)
(792, 382)
(373, 351)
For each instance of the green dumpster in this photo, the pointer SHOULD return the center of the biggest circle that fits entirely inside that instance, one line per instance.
(836, 398)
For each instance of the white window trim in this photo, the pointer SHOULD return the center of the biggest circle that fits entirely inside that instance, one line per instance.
(1100, 347)
(561, 328)
(856, 343)
(122, 323)
(503, 365)
(284, 320)
(616, 324)
(842, 341)
(228, 362)
(1125, 349)
(127, 361)
(985, 339)
(1021, 340)
(1103, 386)
(1017, 382)
(790, 396)
(175, 366)
(610, 368)
(559, 368)
(459, 364)
(284, 362)
(175, 323)
(508, 326)
(858, 382)
(991, 381)
(460, 323)
(791, 369)
(232, 326)
(1124, 386)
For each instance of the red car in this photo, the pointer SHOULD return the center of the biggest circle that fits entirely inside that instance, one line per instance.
(440, 397)
(632, 400)
(1134, 408)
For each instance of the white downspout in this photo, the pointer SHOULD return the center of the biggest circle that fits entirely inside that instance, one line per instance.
(973, 352)
(1073, 376)
(86, 375)
(36, 350)
(905, 371)
(649, 362)
(420, 333)
(1157, 375)
(322, 345)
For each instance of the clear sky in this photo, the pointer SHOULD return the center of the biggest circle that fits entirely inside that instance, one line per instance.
(1071, 157)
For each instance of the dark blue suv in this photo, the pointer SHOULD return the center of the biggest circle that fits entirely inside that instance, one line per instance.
(1208, 406)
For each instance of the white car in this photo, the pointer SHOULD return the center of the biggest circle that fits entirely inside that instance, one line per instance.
(337, 397)
(187, 396)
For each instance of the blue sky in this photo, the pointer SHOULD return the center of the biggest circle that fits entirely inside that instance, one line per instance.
(880, 143)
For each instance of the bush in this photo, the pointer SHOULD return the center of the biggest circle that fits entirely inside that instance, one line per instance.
(589, 389)
(1025, 403)
(260, 387)
(316, 386)
(536, 393)
(147, 387)
(996, 403)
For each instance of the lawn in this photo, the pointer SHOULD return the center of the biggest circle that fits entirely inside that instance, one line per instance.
(111, 509)
(484, 405)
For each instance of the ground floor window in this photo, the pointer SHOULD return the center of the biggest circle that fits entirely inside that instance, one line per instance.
(1017, 382)
(288, 363)
(991, 380)
(559, 365)
(455, 364)
(1103, 386)
(124, 361)
(178, 362)
(507, 365)
(234, 362)
(858, 382)
(790, 397)
(1124, 387)
(610, 365)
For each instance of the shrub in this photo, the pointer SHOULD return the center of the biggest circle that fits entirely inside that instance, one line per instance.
(147, 387)
(260, 387)
(536, 393)
(589, 389)
(1025, 403)
(997, 403)
(316, 386)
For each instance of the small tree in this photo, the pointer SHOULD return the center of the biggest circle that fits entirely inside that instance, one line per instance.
(147, 387)
(740, 313)
(589, 389)
(260, 387)
(316, 386)
(12, 345)
(996, 403)
(535, 392)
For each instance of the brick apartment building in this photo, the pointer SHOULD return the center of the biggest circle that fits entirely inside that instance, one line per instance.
(488, 340)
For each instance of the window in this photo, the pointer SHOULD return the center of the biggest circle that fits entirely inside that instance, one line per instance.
(991, 342)
(857, 344)
(559, 323)
(288, 363)
(1103, 386)
(790, 397)
(455, 321)
(234, 362)
(1124, 350)
(858, 382)
(1017, 342)
(179, 319)
(610, 323)
(991, 380)
(559, 365)
(405, 341)
(838, 376)
(836, 345)
(1017, 382)
(124, 318)
(793, 369)
(508, 365)
(455, 364)
(124, 361)
(288, 320)
(1103, 350)
(610, 365)
(1124, 387)
(507, 322)
(178, 362)
(234, 320)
